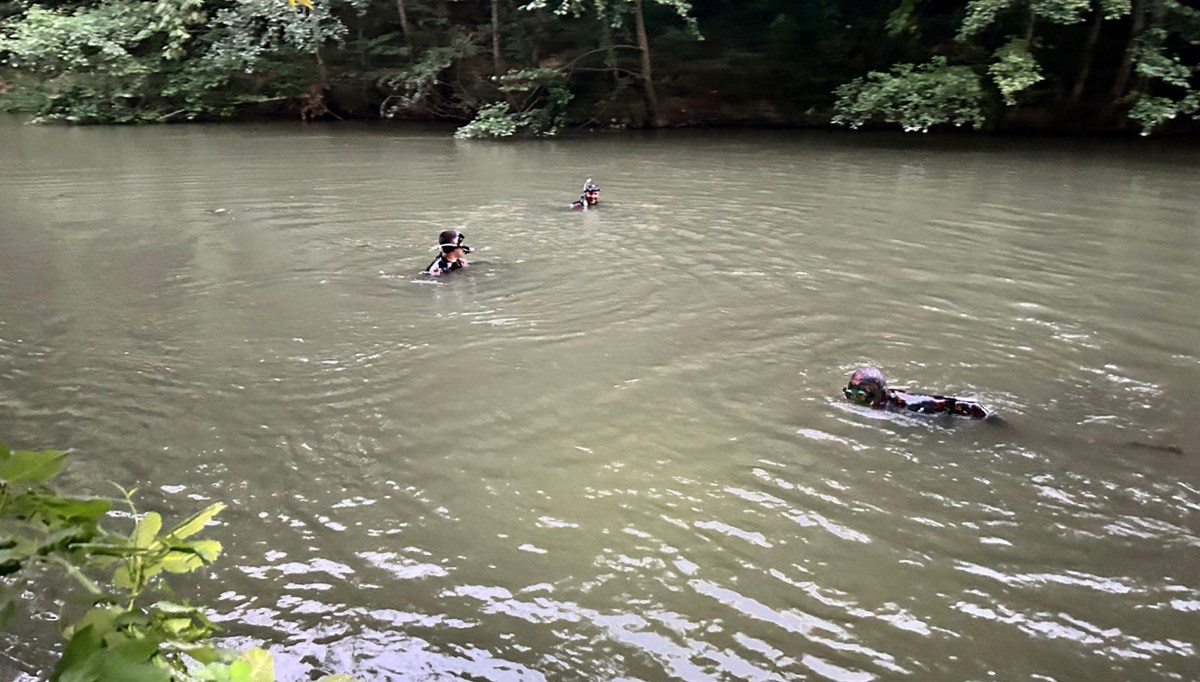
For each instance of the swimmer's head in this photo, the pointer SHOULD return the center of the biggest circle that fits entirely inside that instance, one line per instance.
(866, 386)
(591, 187)
(450, 240)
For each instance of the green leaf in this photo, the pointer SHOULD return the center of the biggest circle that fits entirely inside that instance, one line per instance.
(73, 665)
(58, 541)
(1015, 69)
(101, 619)
(262, 665)
(203, 654)
(197, 522)
(176, 625)
(171, 608)
(135, 619)
(209, 550)
(24, 466)
(239, 671)
(146, 533)
(123, 577)
(130, 662)
(79, 508)
(180, 562)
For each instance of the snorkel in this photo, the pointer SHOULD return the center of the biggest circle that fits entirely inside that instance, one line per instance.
(591, 194)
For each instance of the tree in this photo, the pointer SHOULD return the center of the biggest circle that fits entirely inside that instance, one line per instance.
(1154, 81)
(1166, 85)
(128, 61)
(615, 12)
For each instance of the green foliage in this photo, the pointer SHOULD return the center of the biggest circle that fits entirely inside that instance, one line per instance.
(916, 97)
(1170, 87)
(903, 19)
(537, 103)
(1151, 112)
(492, 120)
(247, 34)
(424, 88)
(984, 14)
(30, 467)
(981, 14)
(616, 12)
(1156, 62)
(1114, 9)
(1165, 88)
(52, 42)
(1061, 11)
(123, 61)
(83, 66)
(498, 120)
(176, 19)
(128, 633)
(1014, 70)
(113, 61)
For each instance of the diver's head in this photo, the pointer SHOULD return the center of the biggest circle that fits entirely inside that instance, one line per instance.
(450, 240)
(866, 386)
(591, 192)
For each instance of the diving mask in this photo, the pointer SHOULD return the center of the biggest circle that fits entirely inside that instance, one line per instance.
(859, 395)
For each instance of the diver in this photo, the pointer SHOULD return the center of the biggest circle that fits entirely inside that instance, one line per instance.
(452, 251)
(590, 196)
(868, 387)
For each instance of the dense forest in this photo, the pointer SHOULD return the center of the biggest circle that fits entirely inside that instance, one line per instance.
(505, 67)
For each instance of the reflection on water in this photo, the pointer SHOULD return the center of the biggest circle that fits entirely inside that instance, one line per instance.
(615, 447)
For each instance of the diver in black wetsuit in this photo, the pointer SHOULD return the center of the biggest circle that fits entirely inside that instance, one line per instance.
(451, 258)
(589, 198)
(868, 387)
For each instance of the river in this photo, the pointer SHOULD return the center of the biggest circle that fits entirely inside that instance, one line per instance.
(615, 447)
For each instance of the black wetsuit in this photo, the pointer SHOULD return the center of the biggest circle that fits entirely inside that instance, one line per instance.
(441, 266)
(931, 404)
(582, 202)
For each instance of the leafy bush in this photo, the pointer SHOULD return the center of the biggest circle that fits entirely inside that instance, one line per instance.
(918, 97)
(85, 66)
(423, 88)
(537, 105)
(493, 120)
(1014, 70)
(1150, 112)
(1169, 91)
(124, 61)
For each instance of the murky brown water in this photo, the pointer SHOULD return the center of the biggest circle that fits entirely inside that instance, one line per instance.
(615, 447)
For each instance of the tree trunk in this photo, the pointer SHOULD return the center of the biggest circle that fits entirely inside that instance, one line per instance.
(403, 19)
(497, 59)
(1029, 22)
(1089, 49)
(1137, 15)
(647, 76)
